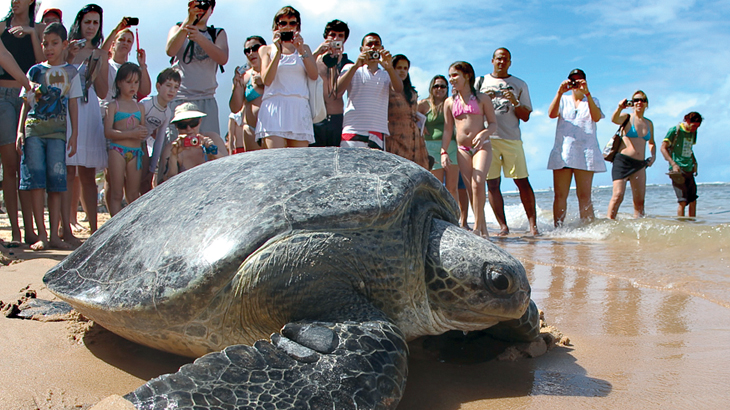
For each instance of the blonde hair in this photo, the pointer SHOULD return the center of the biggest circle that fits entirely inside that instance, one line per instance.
(642, 93)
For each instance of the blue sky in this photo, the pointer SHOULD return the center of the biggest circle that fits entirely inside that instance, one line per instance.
(676, 51)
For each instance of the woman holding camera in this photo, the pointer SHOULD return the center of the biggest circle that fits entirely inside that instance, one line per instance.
(84, 52)
(248, 89)
(285, 119)
(576, 151)
(630, 163)
(404, 137)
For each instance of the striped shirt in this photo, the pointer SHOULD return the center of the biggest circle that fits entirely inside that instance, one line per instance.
(367, 101)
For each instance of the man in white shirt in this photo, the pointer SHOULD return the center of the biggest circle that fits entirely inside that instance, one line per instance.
(368, 87)
(511, 100)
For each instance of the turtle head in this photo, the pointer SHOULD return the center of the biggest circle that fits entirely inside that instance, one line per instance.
(472, 284)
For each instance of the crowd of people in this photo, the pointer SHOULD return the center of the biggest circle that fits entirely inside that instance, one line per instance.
(72, 105)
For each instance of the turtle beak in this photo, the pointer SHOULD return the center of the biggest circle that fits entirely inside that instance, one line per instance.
(471, 281)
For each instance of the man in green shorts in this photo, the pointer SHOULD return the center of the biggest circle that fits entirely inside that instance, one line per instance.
(511, 100)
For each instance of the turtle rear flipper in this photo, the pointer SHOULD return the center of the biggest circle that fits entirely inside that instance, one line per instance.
(310, 365)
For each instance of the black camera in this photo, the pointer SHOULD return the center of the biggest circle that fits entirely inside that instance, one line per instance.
(629, 103)
(203, 4)
(286, 36)
(131, 21)
(572, 84)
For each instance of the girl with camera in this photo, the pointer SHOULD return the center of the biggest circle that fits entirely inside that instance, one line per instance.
(285, 119)
(248, 89)
(576, 151)
(630, 162)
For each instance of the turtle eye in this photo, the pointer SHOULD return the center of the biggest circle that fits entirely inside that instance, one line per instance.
(496, 280)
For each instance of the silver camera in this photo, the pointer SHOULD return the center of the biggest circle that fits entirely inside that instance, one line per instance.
(374, 55)
(337, 45)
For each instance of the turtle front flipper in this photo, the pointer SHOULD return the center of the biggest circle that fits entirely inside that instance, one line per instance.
(524, 329)
(346, 364)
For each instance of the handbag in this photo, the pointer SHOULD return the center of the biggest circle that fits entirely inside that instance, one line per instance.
(611, 149)
(316, 99)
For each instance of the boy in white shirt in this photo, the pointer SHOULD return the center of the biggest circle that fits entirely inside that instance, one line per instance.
(157, 118)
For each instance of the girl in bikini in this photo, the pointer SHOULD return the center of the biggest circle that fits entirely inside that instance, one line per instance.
(467, 109)
(124, 127)
(248, 88)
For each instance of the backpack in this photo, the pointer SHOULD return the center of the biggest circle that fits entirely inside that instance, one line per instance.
(212, 32)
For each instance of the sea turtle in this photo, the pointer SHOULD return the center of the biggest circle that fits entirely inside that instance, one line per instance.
(337, 256)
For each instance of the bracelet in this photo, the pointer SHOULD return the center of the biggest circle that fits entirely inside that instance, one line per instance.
(306, 54)
(444, 153)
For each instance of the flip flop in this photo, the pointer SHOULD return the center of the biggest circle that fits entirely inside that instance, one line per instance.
(676, 177)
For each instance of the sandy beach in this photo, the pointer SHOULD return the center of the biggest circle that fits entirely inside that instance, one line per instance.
(633, 345)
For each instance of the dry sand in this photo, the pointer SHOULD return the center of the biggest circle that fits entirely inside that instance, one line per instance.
(632, 348)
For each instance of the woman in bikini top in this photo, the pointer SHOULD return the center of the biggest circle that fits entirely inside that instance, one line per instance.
(248, 88)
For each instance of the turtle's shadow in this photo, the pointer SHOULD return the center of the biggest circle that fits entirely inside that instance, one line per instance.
(445, 376)
(140, 361)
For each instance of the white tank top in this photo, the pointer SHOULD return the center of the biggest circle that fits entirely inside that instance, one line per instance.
(291, 77)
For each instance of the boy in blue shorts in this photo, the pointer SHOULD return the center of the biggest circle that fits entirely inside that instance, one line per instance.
(42, 133)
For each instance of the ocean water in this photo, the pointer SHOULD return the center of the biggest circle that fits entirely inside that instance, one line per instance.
(661, 251)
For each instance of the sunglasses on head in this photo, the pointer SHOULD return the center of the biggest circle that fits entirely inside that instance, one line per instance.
(444, 86)
(253, 49)
(192, 123)
(282, 23)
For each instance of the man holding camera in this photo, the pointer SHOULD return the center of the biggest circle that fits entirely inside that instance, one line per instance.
(197, 51)
(330, 61)
(511, 100)
(368, 87)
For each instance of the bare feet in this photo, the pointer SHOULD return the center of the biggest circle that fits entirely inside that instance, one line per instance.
(57, 243)
(78, 228)
(40, 245)
(481, 232)
(31, 238)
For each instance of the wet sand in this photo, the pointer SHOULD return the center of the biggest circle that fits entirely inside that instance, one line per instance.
(633, 346)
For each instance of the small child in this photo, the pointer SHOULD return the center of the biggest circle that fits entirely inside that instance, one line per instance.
(42, 134)
(157, 119)
(124, 125)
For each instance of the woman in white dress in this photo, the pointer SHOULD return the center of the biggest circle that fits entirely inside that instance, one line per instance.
(576, 151)
(285, 119)
(91, 153)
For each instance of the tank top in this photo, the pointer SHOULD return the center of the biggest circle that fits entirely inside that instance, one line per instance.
(291, 77)
(20, 48)
(435, 125)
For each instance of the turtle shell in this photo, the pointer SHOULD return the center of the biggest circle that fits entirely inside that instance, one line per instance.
(179, 245)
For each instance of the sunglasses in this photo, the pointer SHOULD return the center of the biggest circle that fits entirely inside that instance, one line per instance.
(253, 49)
(192, 123)
(643, 100)
(444, 86)
(283, 24)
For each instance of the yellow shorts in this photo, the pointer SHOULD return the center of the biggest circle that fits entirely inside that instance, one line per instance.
(507, 155)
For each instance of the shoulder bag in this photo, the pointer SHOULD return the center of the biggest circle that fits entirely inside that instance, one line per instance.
(614, 144)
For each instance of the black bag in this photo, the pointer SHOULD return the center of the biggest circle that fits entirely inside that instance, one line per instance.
(614, 144)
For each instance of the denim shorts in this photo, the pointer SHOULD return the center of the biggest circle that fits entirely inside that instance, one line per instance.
(10, 105)
(43, 164)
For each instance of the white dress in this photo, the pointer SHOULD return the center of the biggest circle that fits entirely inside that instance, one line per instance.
(91, 143)
(285, 104)
(576, 144)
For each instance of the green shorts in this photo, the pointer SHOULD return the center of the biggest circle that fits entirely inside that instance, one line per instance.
(434, 149)
(507, 155)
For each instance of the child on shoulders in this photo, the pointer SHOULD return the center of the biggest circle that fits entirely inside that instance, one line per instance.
(124, 125)
(41, 138)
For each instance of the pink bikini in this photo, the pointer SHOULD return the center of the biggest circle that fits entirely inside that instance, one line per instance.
(458, 108)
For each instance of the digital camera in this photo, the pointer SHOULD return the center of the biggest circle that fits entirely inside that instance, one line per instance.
(240, 70)
(131, 21)
(203, 4)
(373, 54)
(572, 84)
(191, 141)
(337, 45)
(286, 35)
(629, 103)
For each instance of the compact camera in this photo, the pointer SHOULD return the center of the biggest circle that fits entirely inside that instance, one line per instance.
(374, 55)
(286, 36)
(629, 103)
(240, 70)
(203, 4)
(337, 45)
(81, 43)
(572, 84)
(191, 141)
(131, 21)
